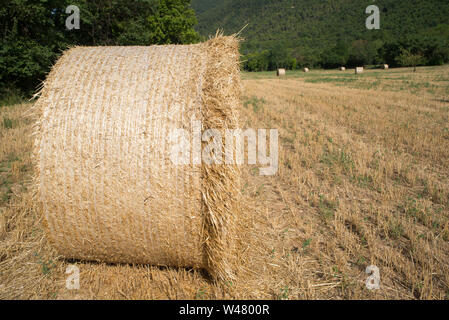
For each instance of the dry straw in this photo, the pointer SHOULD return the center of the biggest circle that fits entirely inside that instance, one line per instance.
(2, 224)
(108, 189)
(280, 72)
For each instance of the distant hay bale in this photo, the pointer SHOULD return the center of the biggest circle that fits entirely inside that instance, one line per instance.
(306, 70)
(107, 186)
(280, 72)
(358, 70)
(385, 66)
(342, 69)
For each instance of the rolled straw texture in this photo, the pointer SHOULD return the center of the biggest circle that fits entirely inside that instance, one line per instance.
(108, 189)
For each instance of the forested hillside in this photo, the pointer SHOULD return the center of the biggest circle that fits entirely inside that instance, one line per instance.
(294, 33)
(279, 33)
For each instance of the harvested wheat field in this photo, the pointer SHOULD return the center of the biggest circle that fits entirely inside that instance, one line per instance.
(363, 180)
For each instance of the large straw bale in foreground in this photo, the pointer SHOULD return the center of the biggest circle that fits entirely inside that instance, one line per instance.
(108, 188)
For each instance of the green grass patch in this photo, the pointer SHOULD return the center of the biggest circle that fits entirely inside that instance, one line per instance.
(11, 99)
(331, 80)
(396, 230)
(341, 158)
(256, 103)
(327, 207)
(364, 181)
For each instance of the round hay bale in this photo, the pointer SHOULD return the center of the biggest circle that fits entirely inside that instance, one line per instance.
(108, 189)
(342, 68)
(358, 70)
(306, 70)
(280, 72)
(385, 66)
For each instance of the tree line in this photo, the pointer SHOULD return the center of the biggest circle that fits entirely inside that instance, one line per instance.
(360, 52)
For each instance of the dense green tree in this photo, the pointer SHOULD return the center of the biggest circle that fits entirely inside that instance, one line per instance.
(173, 22)
(409, 59)
(335, 57)
(33, 32)
(363, 52)
(258, 61)
(278, 57)
(437, 55)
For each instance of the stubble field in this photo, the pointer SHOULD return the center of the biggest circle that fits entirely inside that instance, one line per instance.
(363, 180)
